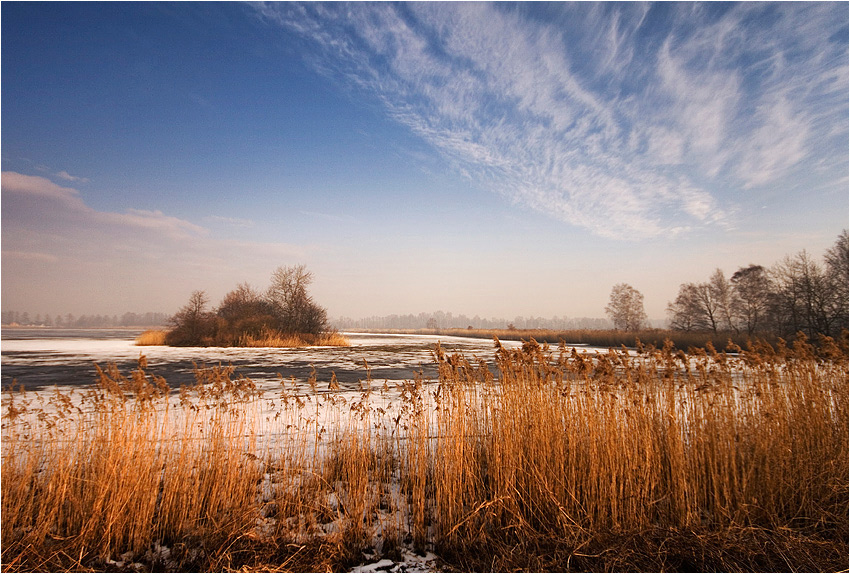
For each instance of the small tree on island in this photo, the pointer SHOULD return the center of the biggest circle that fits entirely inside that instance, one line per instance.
(192, 324)
(625, 308)
(245, 315)
(243, 312)
(294, 309)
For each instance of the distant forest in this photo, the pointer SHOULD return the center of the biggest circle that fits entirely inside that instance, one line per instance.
(443, 320)
(434, 320)
(70, 321)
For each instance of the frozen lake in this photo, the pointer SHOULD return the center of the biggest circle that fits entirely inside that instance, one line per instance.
(39, 358)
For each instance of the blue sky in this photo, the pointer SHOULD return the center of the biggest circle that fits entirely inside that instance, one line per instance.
(499, 160)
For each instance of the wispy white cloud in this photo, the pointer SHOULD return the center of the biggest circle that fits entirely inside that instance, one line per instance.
(230, 221)
(68, 177)
(35, 186)
(607, 122)
(777, 143)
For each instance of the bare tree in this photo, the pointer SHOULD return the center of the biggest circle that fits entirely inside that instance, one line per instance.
(285, 307)
(238, 302)
(295, 310)
(192, 323)
(838, 275)
(244, 311)
(723, 296)
(686, 313)
(796, 294)
(752, 297)
(703, 306)
(800, 300)
(625, 308)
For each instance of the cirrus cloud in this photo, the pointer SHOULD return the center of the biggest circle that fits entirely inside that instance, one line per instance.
(622, 119)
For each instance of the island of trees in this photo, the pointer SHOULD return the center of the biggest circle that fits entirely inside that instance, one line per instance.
(285, 315)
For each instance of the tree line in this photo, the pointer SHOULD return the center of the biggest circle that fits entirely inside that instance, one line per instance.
(70, 320)
(285, 308)
(797, 294)
(448, 320)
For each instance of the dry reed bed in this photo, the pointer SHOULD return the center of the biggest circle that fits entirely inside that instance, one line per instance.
(655, 460)
(601, 337)
(266, 338)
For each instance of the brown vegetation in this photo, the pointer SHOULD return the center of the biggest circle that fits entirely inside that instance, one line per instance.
(652, 461)
(271, 338)
(284, 316)
(267, 338)
(151, 337)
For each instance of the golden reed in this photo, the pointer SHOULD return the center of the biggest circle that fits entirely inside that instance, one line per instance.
(550, 460)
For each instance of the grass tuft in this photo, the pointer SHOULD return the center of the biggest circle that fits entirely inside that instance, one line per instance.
(151, 337)
(272, 338)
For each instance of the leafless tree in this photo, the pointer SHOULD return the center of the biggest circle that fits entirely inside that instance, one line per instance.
(796, 294)
(752, 298)
(294, 308)
(192, 323)
(238, 302)
(686, 313)
(723, 296)
(800, 300)
(244, 311)
(625, 308)
(837, 260)
(703, 306)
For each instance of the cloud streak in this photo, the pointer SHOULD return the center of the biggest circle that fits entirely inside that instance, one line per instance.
(35, 195)
(621, 119)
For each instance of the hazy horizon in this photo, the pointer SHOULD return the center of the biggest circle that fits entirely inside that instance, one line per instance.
(499, 160)
(444, 320)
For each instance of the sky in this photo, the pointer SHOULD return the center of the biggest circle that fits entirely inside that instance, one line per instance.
(501, 160)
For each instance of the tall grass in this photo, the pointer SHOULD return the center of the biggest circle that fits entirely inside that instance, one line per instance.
(649, 460)
(116, 473)
(151, 337)
(573, 452)
(272, 338)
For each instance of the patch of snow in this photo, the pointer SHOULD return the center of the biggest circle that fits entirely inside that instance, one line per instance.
(410, 562)
(379, 566)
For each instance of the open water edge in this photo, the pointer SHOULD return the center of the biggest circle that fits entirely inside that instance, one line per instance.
(42, 358)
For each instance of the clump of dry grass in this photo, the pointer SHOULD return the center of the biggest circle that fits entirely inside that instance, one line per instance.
(151, 337)
(265, 338)
(273, 338)
(650, 460)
